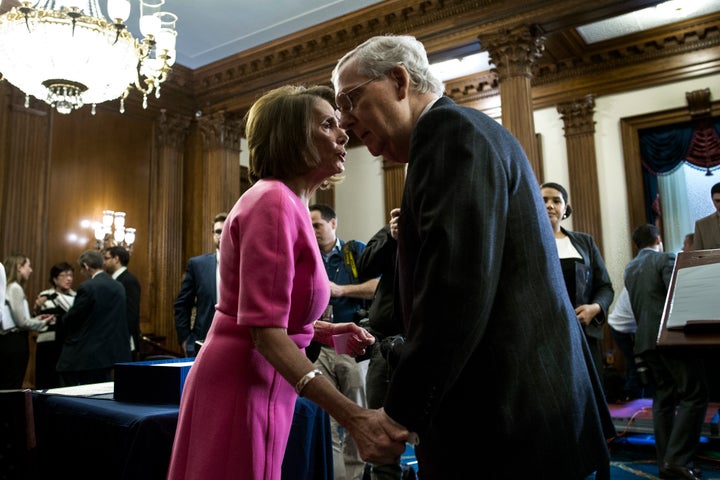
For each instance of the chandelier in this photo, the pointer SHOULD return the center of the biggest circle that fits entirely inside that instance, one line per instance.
(68, 54)
(112, 232)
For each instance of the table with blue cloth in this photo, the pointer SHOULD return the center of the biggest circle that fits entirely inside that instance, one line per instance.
(91, 437)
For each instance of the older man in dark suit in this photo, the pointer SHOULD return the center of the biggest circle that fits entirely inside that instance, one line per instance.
(681, 397)
(479, 288)
(95, 329)
(198, 294)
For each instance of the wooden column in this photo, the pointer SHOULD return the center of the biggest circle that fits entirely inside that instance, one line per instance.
(514, 52)
(394, 176)
(584, 193)
(166, 263)
(220, 175)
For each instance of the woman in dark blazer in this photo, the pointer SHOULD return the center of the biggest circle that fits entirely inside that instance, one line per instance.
(586, 278)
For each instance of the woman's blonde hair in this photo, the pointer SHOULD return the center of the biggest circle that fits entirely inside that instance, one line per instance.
(11, 264)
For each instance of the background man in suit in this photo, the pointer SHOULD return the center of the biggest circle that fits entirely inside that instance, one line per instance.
(479, 285)
(707, 229)
(115, 262)
(679, 376)
(95, 329)
(198, 294)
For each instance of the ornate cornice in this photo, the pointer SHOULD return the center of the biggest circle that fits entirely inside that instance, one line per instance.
(446, 27)
(676, 43)
(609, 68)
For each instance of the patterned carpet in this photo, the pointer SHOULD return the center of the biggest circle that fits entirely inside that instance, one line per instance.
(633, 452)
(633, 458)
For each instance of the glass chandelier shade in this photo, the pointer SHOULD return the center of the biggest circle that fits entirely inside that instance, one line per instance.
(111, 231)
(68, 54)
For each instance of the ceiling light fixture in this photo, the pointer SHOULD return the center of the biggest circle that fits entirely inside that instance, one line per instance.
(68, 54)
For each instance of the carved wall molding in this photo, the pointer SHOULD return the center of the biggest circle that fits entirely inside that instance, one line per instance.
(559, 81)
(706, 36)
(172, 129)
(308, 56)
(221, 129)
(578, 116)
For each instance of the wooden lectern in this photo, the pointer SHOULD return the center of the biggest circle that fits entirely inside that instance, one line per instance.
(701, 297)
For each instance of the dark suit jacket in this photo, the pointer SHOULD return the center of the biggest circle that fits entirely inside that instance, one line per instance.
(95, 328)
(707, 233)
(599, 283)
(378, 260)
(199, 288)
(486, 310)
(647, 279)
(132, 295)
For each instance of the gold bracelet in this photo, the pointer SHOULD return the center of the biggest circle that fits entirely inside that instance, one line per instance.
(305, 380)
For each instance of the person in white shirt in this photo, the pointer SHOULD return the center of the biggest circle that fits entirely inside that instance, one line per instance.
(622, 328)
(14, 347)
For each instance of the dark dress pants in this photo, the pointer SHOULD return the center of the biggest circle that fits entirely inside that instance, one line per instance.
(680, 384)
(376, 384)
(14, 356)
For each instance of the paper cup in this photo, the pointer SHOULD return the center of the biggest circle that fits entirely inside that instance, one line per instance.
(340, 341)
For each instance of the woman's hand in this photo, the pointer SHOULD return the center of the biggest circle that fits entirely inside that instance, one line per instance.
(358, 339)
(48, 318)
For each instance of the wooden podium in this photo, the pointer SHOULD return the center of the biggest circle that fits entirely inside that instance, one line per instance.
(704, 333)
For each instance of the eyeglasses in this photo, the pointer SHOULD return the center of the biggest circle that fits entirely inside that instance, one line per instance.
(217, 232)
(344, 102)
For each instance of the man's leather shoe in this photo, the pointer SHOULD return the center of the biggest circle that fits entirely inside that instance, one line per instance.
(678, 472)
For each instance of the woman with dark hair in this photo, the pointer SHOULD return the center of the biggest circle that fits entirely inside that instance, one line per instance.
(586, 278)
(14, 348)
(57, 301)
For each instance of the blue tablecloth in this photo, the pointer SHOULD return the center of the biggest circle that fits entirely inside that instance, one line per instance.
(83, 438)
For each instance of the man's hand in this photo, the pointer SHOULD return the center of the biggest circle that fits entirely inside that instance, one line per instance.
(380, 439)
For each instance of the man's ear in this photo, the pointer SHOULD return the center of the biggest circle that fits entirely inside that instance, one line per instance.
(401, 77)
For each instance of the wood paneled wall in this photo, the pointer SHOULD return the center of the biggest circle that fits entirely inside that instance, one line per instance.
(173, 166)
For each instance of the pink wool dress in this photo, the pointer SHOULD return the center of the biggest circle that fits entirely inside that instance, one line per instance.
(236, 410)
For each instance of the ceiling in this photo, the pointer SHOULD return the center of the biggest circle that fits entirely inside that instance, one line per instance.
(211, 30)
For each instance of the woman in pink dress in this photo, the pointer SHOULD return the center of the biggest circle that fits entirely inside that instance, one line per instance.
(239, 397)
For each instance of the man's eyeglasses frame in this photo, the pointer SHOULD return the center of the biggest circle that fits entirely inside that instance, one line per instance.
(343, 102)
